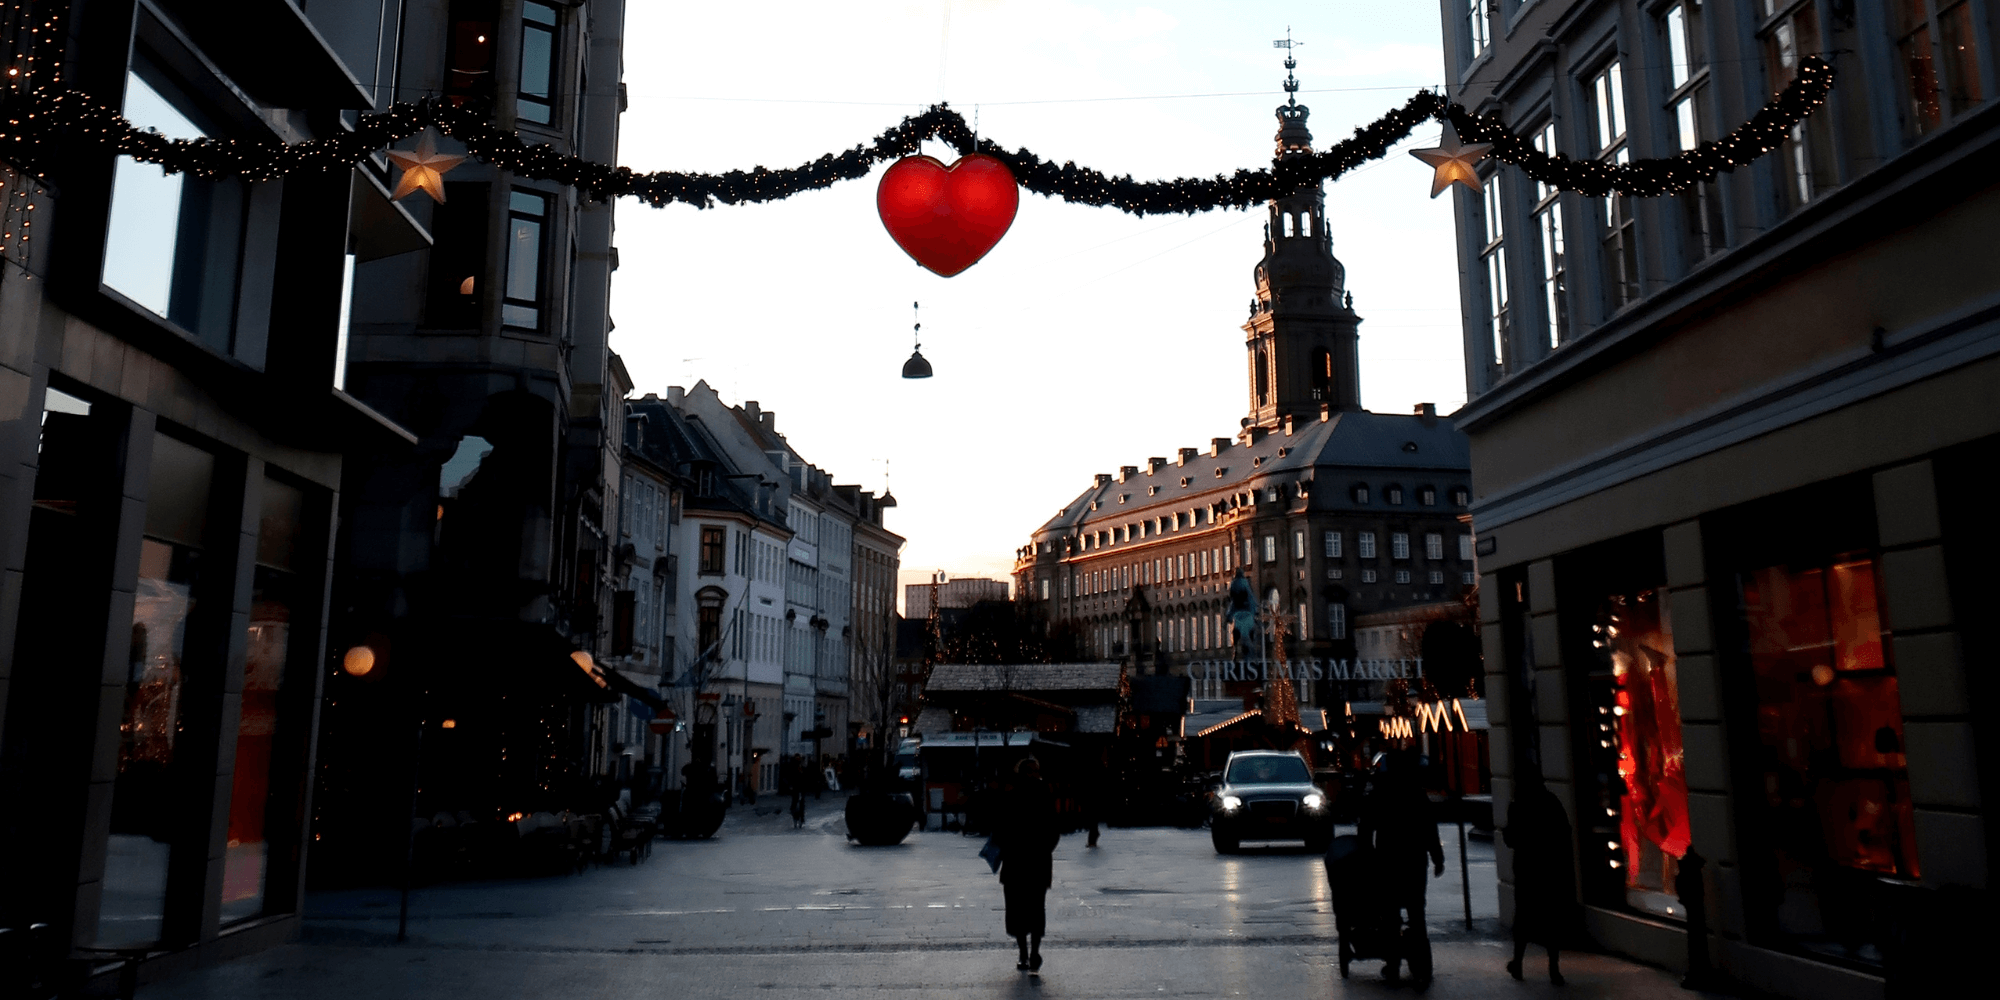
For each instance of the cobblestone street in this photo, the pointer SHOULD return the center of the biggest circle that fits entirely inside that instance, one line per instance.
(1152, 912)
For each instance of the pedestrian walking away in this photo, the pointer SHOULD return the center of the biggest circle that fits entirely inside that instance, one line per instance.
(798, 807)
(1398, 823)
(1027, 836)
(1544, 886)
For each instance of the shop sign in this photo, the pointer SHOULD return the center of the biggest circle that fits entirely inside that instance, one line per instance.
(1307, 670)
(1431, 717)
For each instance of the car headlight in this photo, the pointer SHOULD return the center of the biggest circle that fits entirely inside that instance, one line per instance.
(1231, 803)
(1314, 802)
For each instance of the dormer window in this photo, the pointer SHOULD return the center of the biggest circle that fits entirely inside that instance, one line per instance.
(1459, 497)
(1093, 505)
(1427, 496)
(1122, 497)
(1394, 494)
(1360, 493)
(1185, 481)
(1257, 463)
(1152, 491)
(1221, 471)
(1284, 450)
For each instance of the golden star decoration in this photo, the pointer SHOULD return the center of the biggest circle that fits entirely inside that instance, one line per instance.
(423, 169)
(1453, 161)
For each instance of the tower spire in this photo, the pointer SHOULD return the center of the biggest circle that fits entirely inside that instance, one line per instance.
(1294, 139)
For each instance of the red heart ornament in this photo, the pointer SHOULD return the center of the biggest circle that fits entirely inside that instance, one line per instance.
(947, 217)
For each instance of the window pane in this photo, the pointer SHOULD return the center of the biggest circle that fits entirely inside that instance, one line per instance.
(1677, 46)
(1637, 697)
(537, 51)
(143, 804)
(276, 595)
(145, 205)
(524, 260)
(1830, 719)
(1961, 57)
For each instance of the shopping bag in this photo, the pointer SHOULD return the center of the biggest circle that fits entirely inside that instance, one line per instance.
(991, 852)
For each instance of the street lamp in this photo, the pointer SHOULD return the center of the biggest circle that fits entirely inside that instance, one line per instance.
(916, 367)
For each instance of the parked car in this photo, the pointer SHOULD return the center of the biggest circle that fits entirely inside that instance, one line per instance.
(1268, 795)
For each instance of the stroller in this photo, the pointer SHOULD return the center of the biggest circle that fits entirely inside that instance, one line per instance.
(1365, 915)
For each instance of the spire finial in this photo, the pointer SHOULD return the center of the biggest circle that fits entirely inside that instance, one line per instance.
(1291, 82)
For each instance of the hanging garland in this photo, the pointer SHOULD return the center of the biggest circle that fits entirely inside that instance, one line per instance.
(36, 116)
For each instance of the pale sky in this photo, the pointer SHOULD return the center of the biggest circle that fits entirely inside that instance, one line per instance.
(1087, 339)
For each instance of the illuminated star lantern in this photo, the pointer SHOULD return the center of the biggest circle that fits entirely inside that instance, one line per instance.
(423, 169)
(1453, 161)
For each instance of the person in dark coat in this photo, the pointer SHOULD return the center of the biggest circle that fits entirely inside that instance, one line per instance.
(1399, 824)
(1027, 837)
(1538, 831)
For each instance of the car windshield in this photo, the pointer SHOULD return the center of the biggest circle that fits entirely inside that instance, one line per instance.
(1268, 771)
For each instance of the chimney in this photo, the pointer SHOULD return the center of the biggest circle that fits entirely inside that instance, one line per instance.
(1217, 446)
(1103, 479)
(1288, 425)
(1428, 411)
(1325, 412)
(769, 420)
(1188, 455)
(675, 394)
(1126, 472)
(1155, 464)
(751, 408)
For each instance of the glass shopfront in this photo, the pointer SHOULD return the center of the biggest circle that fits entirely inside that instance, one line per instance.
(1830, 814)
(277, 597)
(1633, 795)
(144, 806)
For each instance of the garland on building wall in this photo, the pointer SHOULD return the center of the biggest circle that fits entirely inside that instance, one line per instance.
(34, 117)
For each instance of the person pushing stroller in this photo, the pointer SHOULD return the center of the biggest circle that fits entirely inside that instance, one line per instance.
(1398, 825)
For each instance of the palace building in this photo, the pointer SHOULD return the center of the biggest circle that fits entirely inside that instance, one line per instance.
(1328, 509)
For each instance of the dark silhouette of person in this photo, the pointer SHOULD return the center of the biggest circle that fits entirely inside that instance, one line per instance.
(1538, 831)
(798, 807)
(1027, 837)
(1398, 822)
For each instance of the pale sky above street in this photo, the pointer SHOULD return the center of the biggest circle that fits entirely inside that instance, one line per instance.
(1087, 339)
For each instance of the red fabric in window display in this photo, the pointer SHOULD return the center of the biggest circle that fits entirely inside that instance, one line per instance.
(1649, 733)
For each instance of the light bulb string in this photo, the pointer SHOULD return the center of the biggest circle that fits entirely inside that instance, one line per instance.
(29, 118)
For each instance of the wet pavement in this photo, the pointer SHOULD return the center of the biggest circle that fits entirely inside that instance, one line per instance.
(782, 912)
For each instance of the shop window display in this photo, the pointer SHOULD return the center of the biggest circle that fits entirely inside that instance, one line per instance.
(1829, 721)
(1641, 824)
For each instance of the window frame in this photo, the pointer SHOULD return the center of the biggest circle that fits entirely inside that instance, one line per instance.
(1605, 92)
(522, 98)
(544, 223)
(1552, 247)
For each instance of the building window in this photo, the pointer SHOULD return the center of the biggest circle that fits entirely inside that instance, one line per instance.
(1367, 576)
(1687, 108)
(1364, 543)
(1298, 544)
(1336, 621)
(1399, 545)
(1322, 374)
(1934, 35)
(1642, 802)
(174, 244)
(1465, 547)
(1433, 545)
(1263, 378)
(1333, 573)
(1331, 544)
(1437, 576)
(1805, 160)
(1361, 494)
(1248, 555)
(169, 604)
(1459, 497)
(1402, 576)
(1045, 588)
(1270, 548)
(711, 549)
(1618, 239)
(527, 211)
(1468, 578)
(1427, 496)
(1548, 219)
(539, 56)
(1477, 13)
(1394, 495)
(1830, 719)
(1493, 265)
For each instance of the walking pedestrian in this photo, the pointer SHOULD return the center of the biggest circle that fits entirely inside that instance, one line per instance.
(1027, 839)
(1397, 821)
(1538, 831)
(798, 807)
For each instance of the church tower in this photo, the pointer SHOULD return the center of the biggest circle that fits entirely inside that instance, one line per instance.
(1301, 334)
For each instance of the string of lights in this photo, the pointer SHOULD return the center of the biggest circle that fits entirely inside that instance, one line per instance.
(36, 117)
